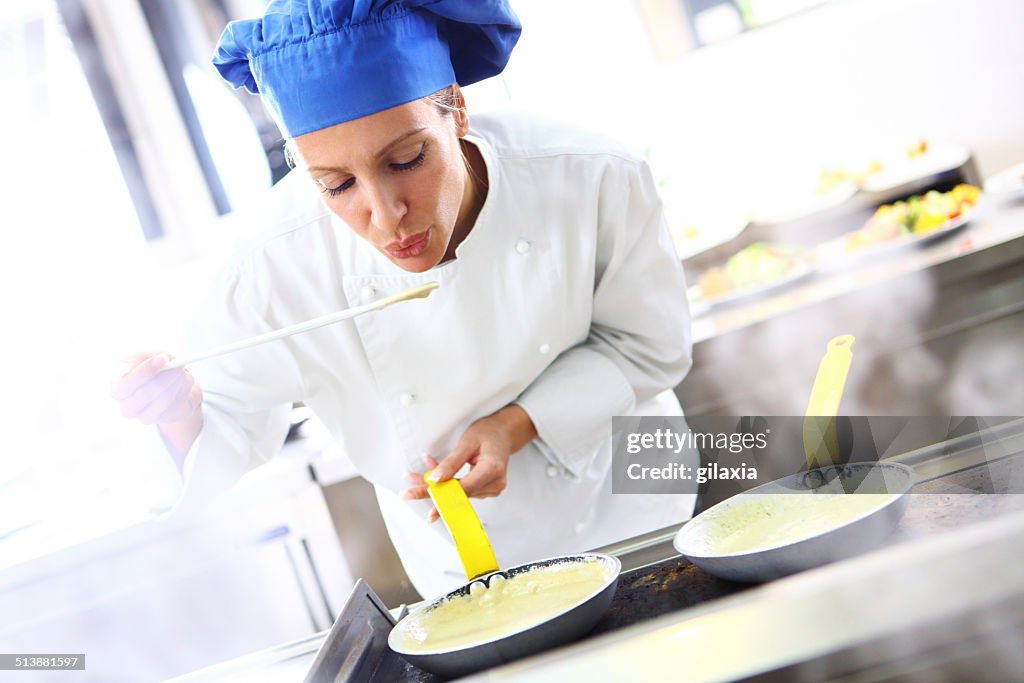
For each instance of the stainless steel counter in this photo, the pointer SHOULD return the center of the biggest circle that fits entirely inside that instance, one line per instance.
(942, 602)
(889, 615)
(951, 574)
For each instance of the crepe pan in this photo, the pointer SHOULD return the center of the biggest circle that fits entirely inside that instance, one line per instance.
(566, 626)
(857, 535)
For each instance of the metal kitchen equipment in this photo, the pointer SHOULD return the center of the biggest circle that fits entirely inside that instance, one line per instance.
(951, 585)
(570, 624)
(824, 476)
(481, 567)
(863, 533)
(355, 649)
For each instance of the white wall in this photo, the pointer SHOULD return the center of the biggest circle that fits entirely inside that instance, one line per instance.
(833, 84)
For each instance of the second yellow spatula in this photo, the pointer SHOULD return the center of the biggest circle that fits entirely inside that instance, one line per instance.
(467, 532)
(820, 443)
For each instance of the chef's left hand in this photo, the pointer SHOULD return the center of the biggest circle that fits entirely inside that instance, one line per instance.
(486, 445)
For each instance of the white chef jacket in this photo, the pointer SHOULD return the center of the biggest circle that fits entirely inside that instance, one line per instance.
(566, 298)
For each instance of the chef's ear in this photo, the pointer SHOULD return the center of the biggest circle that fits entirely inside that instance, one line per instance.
(459, 112)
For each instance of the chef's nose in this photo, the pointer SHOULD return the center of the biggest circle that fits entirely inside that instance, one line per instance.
(386, 208)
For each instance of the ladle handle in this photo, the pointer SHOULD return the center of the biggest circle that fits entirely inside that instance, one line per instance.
(419, 292)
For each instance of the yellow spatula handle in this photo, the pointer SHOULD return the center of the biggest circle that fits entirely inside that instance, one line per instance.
(831, 379)
(821, 447)
(468, 534)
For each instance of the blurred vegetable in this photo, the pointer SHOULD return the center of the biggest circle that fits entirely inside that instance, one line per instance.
(917, 215)
(755, 266)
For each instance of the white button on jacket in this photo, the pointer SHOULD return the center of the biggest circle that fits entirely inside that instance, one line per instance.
(602, 296)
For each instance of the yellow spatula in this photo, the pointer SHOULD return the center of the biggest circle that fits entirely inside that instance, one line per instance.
(820, 444)
(467, 532)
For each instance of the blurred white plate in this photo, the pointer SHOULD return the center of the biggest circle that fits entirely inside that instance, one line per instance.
(796, 275)
(899, 169)
(785, 209)
(1007, 183)
(691, 239)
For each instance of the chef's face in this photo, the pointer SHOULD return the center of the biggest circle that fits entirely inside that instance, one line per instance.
(397, 178)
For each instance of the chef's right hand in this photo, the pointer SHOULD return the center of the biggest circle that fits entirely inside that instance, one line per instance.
(172, 400)
(146, 394)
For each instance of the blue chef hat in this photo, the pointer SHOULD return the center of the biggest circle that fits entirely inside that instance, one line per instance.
(322, 62)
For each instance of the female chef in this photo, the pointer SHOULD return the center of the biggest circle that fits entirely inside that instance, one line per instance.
(561, 301)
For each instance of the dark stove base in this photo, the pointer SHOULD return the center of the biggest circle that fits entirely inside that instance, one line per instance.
(658, 589)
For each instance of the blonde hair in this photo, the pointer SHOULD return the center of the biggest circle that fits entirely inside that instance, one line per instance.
(443, 99)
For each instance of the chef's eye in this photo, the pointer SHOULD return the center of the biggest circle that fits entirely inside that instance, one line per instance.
(332, 187)
(412, 163)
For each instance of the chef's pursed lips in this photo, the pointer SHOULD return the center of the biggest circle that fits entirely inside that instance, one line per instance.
(399, 246)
